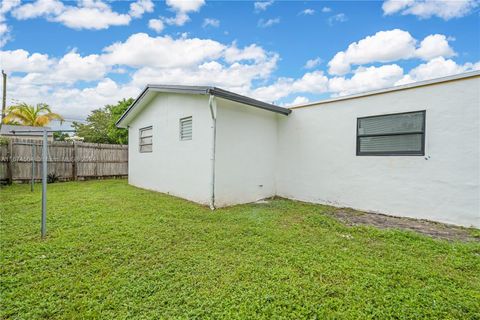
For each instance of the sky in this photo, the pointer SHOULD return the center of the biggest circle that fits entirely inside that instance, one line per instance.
(81, 55)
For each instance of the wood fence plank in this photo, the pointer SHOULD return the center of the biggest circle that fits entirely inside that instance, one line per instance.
(67, 160)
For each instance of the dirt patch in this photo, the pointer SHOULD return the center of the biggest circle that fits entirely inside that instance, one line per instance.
(429, 228)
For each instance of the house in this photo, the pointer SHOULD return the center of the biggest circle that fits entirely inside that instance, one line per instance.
(33, 133)
(411, 150)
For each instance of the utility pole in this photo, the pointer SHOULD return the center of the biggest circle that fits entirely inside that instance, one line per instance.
(4, 98)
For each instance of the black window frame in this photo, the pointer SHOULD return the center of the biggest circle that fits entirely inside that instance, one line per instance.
(392, 153)
(140, 144)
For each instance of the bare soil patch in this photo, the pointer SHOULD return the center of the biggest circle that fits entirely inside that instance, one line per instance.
(429, 228)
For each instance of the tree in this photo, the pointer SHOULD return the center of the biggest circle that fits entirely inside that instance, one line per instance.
(28, 115)
(60, 136)
(100, 125)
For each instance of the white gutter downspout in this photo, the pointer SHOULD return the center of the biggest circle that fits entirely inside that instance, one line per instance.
(213, 112)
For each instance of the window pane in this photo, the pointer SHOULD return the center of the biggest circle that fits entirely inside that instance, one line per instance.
(409, 122)
(147, 140)
(186, 129)
(146, 148)
(145, 132)
(399, 143)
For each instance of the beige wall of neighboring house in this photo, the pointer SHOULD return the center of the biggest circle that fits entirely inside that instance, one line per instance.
(13, 131)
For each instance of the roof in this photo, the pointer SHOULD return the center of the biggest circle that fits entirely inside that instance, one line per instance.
(8, 130)
(460, 76)
(203, 90)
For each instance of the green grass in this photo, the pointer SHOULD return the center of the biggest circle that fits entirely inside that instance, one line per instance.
(114, 252)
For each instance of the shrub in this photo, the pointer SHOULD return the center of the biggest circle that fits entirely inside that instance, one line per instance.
(52, 177)
(3, 141)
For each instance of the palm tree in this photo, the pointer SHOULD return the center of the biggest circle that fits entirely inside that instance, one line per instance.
(28, 115)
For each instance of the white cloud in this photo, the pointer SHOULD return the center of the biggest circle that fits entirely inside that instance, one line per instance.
(237, 77)
(436, 68)
(4, 34)
(340, 17)
(156, 24)
(87, 14)
(21, 61)
(91, 15)
(71, 102)
(299, 100)
(326, 9)
(5, 7)
(66, 71)
(178, 20)
(141, 50)
(138, 8)
(445, 9)
(386, 46)
(434, 45)
(181, 9)
(310, 82)
(251, 52)
(307, 12)
(210, 22)
(312, 63)
(365, 79)
(73, 67)
(185, 5)
(262, 5)
(268, 23)
(38, 8)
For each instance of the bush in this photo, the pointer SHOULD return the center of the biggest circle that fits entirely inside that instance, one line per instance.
(3, 141)
(52, 178)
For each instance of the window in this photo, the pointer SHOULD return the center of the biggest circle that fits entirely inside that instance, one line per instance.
(393, 134)
(186, 128)
(146, 139)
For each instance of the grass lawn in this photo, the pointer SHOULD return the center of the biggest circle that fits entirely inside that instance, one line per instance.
(114, 251)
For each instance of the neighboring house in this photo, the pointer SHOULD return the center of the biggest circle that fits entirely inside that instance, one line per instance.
(411, 150)
(34, 133)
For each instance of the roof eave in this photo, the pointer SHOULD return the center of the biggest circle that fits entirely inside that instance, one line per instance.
(202, 90)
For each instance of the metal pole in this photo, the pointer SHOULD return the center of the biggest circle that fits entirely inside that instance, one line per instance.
(33, 168)
(4, 98)
(44, 182)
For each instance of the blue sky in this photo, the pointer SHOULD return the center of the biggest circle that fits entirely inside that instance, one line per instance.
(78, 56)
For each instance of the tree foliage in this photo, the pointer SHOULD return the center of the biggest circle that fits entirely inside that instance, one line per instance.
(60, 136)
(100, 125)
(28, 115)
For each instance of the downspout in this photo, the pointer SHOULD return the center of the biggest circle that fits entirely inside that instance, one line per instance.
(213, 112)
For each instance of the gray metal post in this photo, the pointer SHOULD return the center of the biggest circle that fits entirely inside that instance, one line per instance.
(44, 182)
(33, 167)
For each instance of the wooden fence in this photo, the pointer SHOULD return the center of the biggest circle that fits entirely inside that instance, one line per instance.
(67, 160)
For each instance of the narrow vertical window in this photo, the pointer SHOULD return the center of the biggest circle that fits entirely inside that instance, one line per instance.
(146, 139)
(186, 129)
(393, 134)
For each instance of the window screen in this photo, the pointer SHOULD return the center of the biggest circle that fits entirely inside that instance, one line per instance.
(146, 139)
(393, 134)
(186, 128)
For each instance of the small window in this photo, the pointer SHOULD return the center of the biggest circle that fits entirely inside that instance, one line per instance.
(146, 139)
(186, 128)
(393, 134)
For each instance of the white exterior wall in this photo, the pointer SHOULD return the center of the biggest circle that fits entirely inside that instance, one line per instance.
(246, 149)
(317, 151)
(180, 168)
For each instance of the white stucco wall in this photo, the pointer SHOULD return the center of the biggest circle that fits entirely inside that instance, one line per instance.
(246, 149)
(180, 168)
(317, 154)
